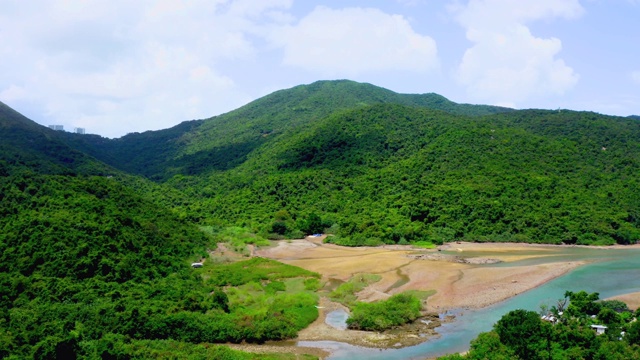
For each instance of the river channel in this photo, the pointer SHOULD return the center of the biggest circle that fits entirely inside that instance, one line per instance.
(609, 272)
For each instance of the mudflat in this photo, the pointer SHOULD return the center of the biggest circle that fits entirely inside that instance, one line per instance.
(460, 281)
(463, 275)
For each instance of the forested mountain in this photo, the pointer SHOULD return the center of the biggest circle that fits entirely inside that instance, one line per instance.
(380, 167)
(27, 145)
(91, 267)
(395, 174)
(224, 142)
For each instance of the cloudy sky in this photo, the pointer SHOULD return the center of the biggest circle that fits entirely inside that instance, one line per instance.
(120, 66)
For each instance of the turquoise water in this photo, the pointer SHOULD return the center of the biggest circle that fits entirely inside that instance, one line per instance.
(611, 272)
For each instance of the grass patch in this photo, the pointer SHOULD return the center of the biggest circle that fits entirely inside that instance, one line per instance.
(398, 310)
(255, 269)
(165, 349)
(297, 285)
(345, 293)
(237, 237)
(424, 244)
(420, 294)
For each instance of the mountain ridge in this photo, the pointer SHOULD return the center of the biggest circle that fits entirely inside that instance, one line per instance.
(381, 167)
(225, 140)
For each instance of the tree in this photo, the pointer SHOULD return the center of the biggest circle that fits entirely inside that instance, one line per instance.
(609, 317)
(523, 332)
(279, 227)
(615, 305)
(220, 300)
(313, 224)
(633, 333)
(582, 304)
(488, 346)
(615, 350)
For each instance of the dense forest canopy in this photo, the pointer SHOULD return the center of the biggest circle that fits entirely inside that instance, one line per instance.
(94, 263)
(391, 173)
(373, 166)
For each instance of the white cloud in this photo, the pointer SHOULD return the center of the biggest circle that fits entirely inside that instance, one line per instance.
(508, 64)
(635, 76)
(120, 66)
(13, 93)
(351, 41)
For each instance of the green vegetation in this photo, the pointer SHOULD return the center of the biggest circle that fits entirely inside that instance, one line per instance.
(253, 270)
(382, 315)
(375, 167)
(94, 258)
(237, 237)
(397, 175)
(346, 292)
(398, 310)
(424, 244)
(121, 347)
(89, 228)
(521, 334)
(97, 266)
(225, 142)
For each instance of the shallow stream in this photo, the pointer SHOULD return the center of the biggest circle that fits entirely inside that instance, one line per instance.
(610, 272)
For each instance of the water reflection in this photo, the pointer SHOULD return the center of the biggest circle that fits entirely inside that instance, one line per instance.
(337, 319)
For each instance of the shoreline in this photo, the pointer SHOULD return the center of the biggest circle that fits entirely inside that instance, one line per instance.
(411, 334)
(631, 299)
(458, 285)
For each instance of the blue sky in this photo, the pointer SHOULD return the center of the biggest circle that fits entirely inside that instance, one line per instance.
(117, 66)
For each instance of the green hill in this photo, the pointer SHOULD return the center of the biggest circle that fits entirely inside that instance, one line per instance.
(224, 142)
(27, 145)
(380, 167)
(92, 265)
(71, 231)
(395, 174)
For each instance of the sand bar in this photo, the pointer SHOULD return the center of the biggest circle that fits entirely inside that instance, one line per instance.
(632, 300)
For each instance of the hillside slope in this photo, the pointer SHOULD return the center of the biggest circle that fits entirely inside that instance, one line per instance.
(25, 144)
(72, 234)
(376, 167)
(395, 174)
(224, 142)
(95, 263)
